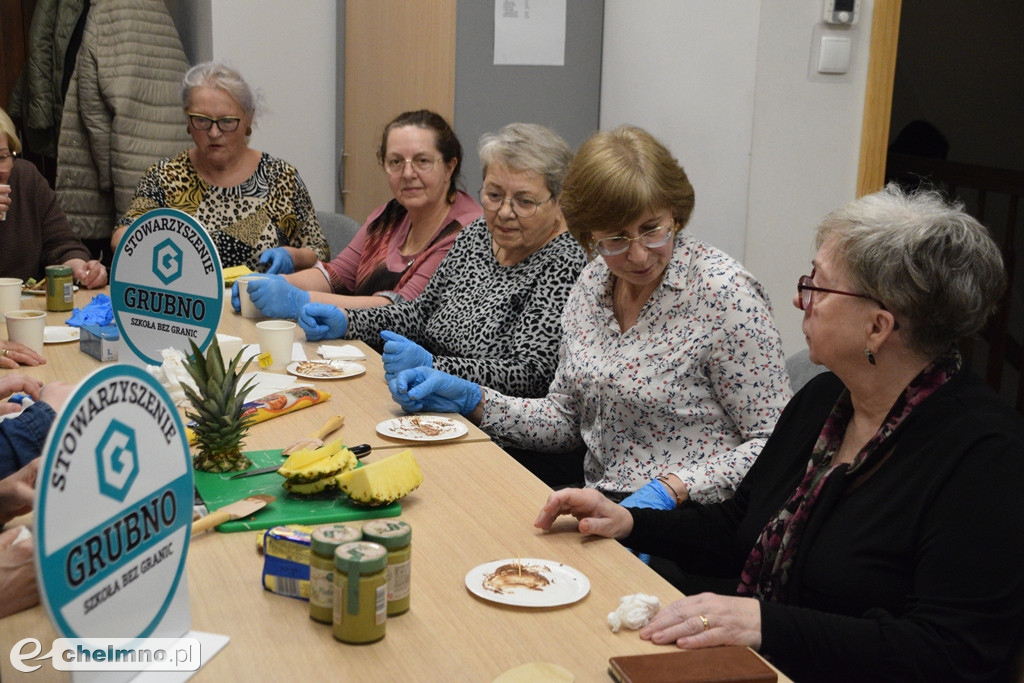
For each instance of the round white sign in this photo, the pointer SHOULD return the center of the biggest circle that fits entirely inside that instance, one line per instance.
(166, 285)
(113, 507)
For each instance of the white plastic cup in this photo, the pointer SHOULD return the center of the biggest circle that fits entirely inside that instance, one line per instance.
(10, 294)
(26, 327)
(276, 337)
(249, 310)
(4, 189)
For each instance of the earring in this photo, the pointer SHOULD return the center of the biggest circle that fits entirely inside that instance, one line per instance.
(869, 354)
(248, 131)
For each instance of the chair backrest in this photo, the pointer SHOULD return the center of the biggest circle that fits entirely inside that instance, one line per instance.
(801, 370)
(338, 228)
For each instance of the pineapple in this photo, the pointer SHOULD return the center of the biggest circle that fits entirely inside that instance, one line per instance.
(219, 427)
(384, 481)
(307, 465)
(311, 488)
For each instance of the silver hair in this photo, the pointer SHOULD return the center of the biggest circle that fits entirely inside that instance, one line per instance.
(218, 75)
(926, 260)
(528, 148)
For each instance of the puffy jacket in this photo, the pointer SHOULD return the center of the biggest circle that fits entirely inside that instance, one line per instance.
(122, 112)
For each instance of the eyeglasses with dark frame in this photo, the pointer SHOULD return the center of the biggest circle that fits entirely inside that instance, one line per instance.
(11, 156)
(805, 287)
(226, 124)
(522, 207)
(420, 164)
(656, 237)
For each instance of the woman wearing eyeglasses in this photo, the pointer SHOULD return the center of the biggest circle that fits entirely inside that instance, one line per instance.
(878, 534)
(491, 310)
(394, 254)
(255, 207)
(671, 370)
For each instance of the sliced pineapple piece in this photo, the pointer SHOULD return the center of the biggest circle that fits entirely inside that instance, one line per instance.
(384, 481)
(311, 488)
(306, 466)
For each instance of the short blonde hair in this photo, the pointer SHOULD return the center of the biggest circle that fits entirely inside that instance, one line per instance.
(617, 176)
(7, 128)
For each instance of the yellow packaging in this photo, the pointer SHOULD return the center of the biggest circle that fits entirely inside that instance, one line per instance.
(286, 560)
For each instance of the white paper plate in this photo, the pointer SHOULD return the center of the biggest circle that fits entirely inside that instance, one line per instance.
(564, 586)
(59, 334)
(422, 428)
(323, 369)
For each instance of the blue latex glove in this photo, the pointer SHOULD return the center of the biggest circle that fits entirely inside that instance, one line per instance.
(653, 495)
(322, 321)
(236, 302)
(279, 260)
(402, 354)
(275, 297)
(426, 389)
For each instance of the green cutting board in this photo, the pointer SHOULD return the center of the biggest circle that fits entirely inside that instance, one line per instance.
(218, 490)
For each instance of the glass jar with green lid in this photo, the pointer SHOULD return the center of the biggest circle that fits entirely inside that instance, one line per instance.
(60, 288)
(396, 536)
(360, 592)
(322, 544)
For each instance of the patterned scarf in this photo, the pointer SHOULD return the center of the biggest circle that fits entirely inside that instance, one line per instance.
(768, 568)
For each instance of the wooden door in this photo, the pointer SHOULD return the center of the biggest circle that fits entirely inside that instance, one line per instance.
(399, 56)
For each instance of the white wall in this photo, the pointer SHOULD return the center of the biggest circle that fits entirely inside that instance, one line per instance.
(769, 150)
(287, 53)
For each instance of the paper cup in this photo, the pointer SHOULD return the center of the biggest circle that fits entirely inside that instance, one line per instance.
(10, 294)
(26, 327)
(248, 309)
(276, 338)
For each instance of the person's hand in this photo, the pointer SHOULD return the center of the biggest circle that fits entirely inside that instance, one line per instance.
(18, 588)
(236, 301)
(17, 382)
(275, 297)
(402, 354)
(322, 321)
(422, 388)
(54, 394)
(5, 198)
(727, 621)
(279, 260)
(597, 515)
(651, 495)
(13, 354)
(91, 275)
(17, 491)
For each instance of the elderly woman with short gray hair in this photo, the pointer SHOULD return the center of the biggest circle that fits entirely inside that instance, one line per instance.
(877, 536)
(255, 207)
(491, 310)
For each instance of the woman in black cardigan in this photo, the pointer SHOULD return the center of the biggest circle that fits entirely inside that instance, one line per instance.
(880, 534)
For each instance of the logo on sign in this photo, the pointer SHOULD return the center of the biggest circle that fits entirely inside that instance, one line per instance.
(167, 261)
(117, 461)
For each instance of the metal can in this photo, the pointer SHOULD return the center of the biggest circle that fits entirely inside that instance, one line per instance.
(60, 289)
(396, 536)
(360, 592)
(323, 542)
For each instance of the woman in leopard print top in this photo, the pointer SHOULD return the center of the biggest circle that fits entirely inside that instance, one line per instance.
(249, 201)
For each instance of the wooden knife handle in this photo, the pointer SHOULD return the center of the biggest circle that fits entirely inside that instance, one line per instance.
(209, 521)
(334, 422)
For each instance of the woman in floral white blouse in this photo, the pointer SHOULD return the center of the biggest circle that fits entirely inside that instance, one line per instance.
(671, 370)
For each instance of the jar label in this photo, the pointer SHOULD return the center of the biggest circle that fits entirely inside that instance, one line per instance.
(399, 580)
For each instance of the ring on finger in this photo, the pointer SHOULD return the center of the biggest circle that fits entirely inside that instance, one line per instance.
(704, 620)
(5, 352)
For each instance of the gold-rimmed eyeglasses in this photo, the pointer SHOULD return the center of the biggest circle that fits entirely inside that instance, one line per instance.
(420, 164)
(226, 124)
(8, 158)
(523, 207)
(651, 239)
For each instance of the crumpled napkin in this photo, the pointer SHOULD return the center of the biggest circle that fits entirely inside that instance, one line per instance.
(634, 612)
(171, 373)
(99, 311)
(346, 352)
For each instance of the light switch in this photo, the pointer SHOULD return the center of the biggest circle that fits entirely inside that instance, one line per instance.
(834, 55)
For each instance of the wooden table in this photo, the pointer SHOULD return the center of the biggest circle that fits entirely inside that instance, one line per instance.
(476, 505)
